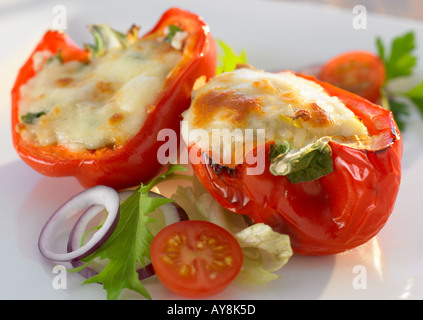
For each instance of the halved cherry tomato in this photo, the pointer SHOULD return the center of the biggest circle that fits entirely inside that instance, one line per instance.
(195, 258)
(359, 72)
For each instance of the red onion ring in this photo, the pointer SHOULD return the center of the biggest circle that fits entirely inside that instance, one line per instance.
(80, 226)
(172, 213)
(99, 195)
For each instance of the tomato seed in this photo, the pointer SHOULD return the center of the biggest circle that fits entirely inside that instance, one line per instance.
(200, 245)
(218, 262)
(172, 242)
(228, 260)
(167, 259)
(184, 271)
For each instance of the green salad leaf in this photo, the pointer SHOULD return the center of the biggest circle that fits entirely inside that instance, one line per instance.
(228, 59)
(130, 242)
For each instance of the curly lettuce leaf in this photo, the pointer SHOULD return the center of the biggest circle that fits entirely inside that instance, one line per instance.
(265, 251)
(129, 244)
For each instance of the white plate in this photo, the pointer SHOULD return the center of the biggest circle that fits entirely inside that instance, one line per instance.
(275, 36)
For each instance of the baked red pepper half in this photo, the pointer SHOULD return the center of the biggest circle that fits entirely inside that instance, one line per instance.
(334, 213)
(128, 164)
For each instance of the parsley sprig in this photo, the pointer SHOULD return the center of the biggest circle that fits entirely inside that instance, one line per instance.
(400, 62)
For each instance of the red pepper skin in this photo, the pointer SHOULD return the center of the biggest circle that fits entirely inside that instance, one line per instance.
(334, 213)
(136, 161)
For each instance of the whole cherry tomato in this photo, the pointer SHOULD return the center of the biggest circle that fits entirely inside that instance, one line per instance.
(360, 72)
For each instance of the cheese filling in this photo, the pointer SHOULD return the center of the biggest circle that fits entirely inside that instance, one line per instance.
(288, 108)
(100, 104)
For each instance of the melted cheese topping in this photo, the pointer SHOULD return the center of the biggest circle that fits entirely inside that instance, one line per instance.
(289, 108)
(100, 104)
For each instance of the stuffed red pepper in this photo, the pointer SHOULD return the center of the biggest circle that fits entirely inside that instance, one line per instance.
(327, 163)
(94, 112)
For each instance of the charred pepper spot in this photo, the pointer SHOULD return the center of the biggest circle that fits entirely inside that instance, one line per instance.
(218, 168)
(64, 82)
(235, 107)
(116, 118)
(315, 116)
